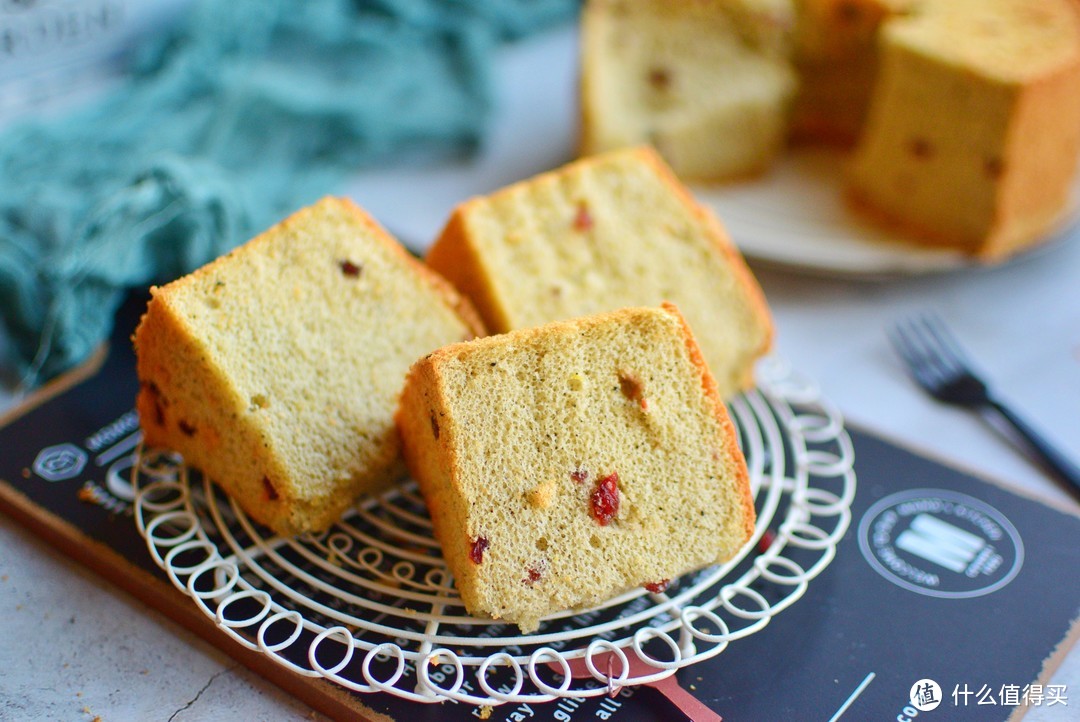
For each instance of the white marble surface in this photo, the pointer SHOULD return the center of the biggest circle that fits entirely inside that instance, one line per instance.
(75, 648)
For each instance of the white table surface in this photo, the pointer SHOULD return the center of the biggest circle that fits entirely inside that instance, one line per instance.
(75, 647)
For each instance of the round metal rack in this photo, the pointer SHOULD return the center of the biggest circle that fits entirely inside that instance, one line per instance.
(371, 606)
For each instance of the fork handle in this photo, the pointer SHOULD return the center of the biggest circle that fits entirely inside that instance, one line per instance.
(1062, 466)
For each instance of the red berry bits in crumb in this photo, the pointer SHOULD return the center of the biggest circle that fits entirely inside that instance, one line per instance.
(583, 221)
(434, 425)
(659, 78)
(994, 167)
(633, 389)
(579, 475)
(271, 492)
(605, 499)
(476, 551)
(920, 148)
(657, 587)
(532, 576)
(848, 12)
(159, 404)
(350, 269)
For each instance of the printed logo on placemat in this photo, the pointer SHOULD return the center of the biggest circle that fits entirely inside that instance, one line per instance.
(940, 543)
(60, 462)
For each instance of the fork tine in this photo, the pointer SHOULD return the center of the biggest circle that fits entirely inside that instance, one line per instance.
(929, 357)
(898, 337)
(911, 341)
(947, 344)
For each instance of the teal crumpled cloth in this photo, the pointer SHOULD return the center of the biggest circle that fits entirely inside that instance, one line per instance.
(249, 111)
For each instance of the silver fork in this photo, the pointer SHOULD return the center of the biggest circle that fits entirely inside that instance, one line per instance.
(938, 364)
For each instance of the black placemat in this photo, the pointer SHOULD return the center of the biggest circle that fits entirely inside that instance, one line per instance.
(941, 577)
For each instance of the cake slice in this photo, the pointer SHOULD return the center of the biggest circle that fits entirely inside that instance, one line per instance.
(707, 82)
(973, 132)
(607, 232)
(276, 369)
(567, 463)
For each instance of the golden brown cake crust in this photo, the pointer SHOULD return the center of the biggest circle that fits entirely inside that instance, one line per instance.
(836, 58)
(453, 257)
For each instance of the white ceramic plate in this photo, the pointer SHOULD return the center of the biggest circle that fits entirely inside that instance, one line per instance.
(795, 216)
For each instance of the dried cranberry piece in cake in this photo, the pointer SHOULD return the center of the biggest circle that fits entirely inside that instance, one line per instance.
(532, 575)
(477, 549)
(583, 221)
(350, 269)
(657, 587)
(605, 499)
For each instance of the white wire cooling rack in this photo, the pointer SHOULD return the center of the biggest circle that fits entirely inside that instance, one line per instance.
(371, 606)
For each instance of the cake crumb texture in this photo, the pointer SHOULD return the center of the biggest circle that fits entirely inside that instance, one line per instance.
(706, 82)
